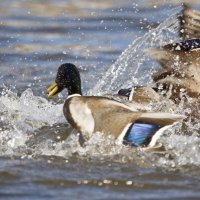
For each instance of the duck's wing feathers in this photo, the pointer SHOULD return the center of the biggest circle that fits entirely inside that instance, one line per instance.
(162, 119)
(115, 118)
(189, 33)
(189, 23)
(180, 66)
(110, 116)
(149, 127)
(185, 52)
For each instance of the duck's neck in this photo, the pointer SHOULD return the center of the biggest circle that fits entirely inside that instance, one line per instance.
(74, 89)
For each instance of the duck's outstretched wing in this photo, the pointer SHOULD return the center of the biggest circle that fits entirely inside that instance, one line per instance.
(189, 23)
(180, 61)
(189, 33)
(180, 67)
(178, 54)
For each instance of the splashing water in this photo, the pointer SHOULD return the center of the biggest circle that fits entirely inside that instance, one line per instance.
(133, 67)
(22, 115)
(29, 130)
(33, 126)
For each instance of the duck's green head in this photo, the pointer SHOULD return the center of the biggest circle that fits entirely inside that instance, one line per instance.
(67, 77)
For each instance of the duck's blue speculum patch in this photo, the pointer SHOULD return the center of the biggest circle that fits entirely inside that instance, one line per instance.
(140, 133)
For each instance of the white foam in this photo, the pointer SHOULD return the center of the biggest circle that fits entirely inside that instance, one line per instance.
(20, 116)
(183, 149)
(32, 111)
(23, 116)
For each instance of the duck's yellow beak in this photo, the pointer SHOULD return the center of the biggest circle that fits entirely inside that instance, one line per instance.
(53, 90)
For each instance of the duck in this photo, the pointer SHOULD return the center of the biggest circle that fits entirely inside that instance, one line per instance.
(179, 74)
(140, 94)
(176, 81)
(90, 114)
(180, 70)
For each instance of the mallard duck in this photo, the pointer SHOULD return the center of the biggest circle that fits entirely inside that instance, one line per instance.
(180, 62)
(140, 94)
(180, 74)
(180, 68)
(89, 114)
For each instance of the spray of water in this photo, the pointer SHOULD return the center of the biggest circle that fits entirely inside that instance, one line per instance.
(133, 67)
(32, 126)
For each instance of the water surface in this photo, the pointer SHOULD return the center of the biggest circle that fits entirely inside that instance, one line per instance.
(39, 158)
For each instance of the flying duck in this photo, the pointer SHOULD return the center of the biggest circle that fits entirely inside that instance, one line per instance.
(180, 61)
(180, 68)
(180, 64)
(89, 114)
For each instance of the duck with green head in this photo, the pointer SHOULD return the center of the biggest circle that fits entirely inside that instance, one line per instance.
(89, 114)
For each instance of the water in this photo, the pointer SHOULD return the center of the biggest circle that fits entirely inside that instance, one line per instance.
(40, 157)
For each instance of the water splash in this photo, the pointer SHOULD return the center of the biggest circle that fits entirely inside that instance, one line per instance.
(33, 111)
(20, 116)
(133, 67)
(32, 126)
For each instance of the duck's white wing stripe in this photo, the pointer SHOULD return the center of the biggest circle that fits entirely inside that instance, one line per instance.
(157, 135)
